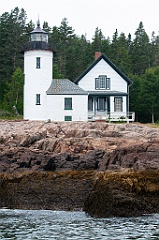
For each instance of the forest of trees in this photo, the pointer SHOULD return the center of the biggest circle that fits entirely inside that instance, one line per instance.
(138, 58)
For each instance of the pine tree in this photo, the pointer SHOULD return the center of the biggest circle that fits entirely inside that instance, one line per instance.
(150, 93)
(140, 51)
(14, 95)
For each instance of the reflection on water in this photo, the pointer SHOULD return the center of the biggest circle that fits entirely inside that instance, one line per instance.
(61, 225)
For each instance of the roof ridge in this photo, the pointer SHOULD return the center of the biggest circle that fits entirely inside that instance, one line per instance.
(103, 56)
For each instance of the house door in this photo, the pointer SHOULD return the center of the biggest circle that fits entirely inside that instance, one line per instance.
(102, 104)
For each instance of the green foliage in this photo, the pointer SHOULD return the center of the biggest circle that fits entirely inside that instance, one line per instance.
(140, 51)
(56, 73)
(74, 54)
(14, 95)
(150, 92)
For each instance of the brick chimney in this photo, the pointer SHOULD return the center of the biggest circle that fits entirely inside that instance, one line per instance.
(97, 55)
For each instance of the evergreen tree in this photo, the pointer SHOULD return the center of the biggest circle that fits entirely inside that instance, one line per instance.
(123, 60)
(14, 95)
(140, 51)
(135, 97)
(97, 41)
(12, 35)
(62, 36)
(74, 54)
(150, 93)
(155, 49)
(77, 58)
(46, 27)
(114, 46)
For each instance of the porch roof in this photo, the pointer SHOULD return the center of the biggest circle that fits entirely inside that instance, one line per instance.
(107, 93)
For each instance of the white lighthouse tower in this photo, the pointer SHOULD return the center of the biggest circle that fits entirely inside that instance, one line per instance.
(38, 62)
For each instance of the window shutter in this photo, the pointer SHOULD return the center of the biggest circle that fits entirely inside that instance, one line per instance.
(97, 83)
(108, 83)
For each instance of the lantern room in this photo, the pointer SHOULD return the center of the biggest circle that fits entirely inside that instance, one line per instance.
(38, 38)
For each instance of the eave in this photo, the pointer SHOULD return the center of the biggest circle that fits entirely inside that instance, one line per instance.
(103, 56)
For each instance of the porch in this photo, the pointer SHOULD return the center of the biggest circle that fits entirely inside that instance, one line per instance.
(112, 117)
(109, 108)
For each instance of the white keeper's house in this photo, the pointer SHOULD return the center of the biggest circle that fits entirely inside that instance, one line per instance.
(100, 92)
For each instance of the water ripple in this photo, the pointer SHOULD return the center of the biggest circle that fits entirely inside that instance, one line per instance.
(61, 225)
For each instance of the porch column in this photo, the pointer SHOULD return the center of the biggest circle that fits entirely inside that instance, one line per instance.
(94, 105)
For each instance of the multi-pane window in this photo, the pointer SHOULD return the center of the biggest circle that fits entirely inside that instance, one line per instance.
(102, 82)
(37, 99)
(90, 104)
(118, 104)
(101, 104)
(68, 118)
(38, 62)
(68, 104)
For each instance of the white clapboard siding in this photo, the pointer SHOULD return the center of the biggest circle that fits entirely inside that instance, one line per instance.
(36, 81)
(117, 83)
(56, 111)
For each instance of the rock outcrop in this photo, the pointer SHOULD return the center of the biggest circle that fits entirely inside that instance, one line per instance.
(46, 190)
(56, 146)
(107, 169)
(124, 194)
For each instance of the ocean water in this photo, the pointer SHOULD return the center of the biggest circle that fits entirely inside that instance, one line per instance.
(61, 225)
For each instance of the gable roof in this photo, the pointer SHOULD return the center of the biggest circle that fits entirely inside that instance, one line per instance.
(64, 87)
(103, 56)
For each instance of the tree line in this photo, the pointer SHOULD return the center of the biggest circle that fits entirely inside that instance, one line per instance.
(138, 58)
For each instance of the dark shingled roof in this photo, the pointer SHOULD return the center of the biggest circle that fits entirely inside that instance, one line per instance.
(38, 29)
(64, 87)
(103, 56)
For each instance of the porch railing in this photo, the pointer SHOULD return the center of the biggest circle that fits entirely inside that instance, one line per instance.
(112, 116)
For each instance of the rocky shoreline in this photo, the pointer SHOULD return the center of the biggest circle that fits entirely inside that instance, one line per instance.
(105, 169)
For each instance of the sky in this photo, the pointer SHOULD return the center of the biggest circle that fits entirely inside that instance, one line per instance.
(84, 16)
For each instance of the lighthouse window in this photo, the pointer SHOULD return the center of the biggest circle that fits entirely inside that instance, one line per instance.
(37, 99)
(38, 62)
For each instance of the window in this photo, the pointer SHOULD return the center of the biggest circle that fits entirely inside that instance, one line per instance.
(102, 82)
(101, 104)
(68, 103)
(118, 104)
(68, 118)
(90, 104)
(38, 62)
(37, 99)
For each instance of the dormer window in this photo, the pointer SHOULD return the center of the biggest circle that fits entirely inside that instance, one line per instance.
(102, 82)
